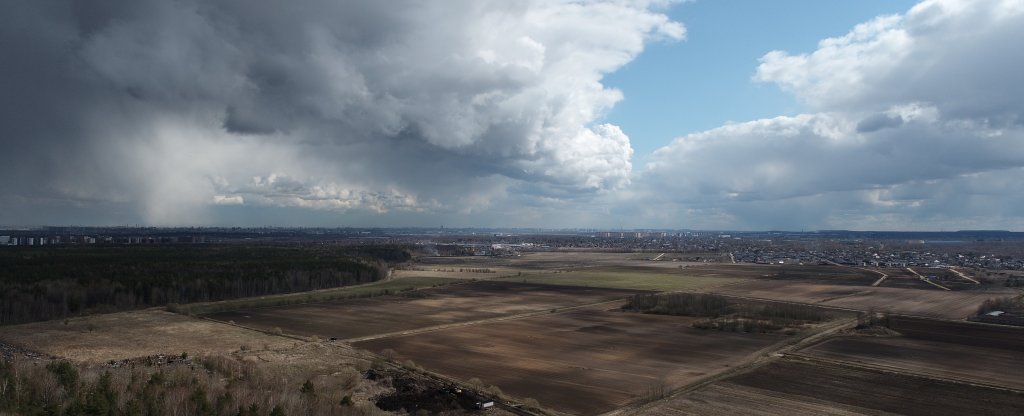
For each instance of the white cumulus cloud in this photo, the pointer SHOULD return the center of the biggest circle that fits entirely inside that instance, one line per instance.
(914, 120)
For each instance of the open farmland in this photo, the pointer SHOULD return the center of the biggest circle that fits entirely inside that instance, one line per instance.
(346, 292)
(829, 274)
(728, 399)
(947, 278)
(963, 333)
(878, 391)
(993, 366)
(471, 301)
(255, 368)
(101, 338)
(795, 387)
(541, 260)
(932, 303)
(581, 362)
(626, 278)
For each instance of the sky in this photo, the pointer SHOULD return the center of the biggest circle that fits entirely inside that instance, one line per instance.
(724, 114)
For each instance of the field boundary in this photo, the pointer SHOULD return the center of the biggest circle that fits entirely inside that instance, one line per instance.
(841, 308)
(190, 308)
(524, 315)
(753, 361)
(897, 371)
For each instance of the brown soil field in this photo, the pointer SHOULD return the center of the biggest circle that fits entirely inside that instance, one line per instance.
(115, 336)
(876, 390)
(931, 303)
(353, 318)
(962, 333)
(727, 399)
(580, 362)
(992, 366)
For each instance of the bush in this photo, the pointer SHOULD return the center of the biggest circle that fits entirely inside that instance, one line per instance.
(789, 313)
(1000, 304)
(308, 388)
(65, 373)
(688, 304)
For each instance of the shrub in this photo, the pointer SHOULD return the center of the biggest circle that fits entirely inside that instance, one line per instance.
(999, 304)
(688, 304)
(65, 373)
(308, 388)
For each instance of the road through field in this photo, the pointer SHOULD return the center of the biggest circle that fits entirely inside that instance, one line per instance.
(755, 360)
(615, 302)
(926, 280)
(964, 276)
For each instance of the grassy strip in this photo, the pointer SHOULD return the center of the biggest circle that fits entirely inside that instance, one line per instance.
(662, 282)
(363, 291)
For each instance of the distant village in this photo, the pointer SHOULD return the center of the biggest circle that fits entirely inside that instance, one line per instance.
(996, 250)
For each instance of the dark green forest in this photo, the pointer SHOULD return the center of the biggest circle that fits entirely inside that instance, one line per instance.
(52, 283)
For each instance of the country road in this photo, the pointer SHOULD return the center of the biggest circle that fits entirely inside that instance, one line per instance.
(754, 360)
(483, 321)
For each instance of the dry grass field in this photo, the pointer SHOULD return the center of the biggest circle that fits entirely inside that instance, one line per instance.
(345, 292)
(471, 301)
(101, 338)
(921, 302)
(256, 367)
(580, 362)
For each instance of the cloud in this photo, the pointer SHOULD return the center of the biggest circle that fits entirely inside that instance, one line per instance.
(169, 108)
(914, 122)
(960, 57)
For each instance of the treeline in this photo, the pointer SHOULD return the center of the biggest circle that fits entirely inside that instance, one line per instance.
(726, 315)
(685, 304)
(217, 386)
(58, 282)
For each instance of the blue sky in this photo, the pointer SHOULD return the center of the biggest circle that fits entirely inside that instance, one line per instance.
(679, 87)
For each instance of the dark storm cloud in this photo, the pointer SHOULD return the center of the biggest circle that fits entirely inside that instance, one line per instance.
(877, 122)
(168, 108)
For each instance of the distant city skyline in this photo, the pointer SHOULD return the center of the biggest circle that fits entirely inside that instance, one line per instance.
(654, 114)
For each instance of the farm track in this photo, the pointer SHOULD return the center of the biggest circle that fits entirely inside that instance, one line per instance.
(482, 321)
(964, 276)
(754, 361)
(923, 279)
(817, 304)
